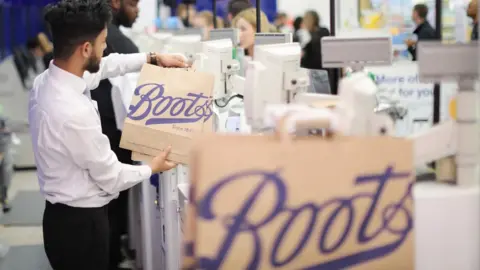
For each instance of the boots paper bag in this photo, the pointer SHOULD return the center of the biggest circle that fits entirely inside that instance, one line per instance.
(306, 203)
(169, 107)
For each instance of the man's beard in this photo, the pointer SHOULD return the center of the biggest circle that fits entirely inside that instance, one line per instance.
(93, 64)
(122, 19)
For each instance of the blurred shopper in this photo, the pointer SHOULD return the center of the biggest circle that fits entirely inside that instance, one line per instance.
(40, 53)
(42, 49)
(472, 11)
(282, 23)
(234, 7)
(423, 31)
(297, 25)
(246, 22)
(204, 21)
(310, 39)
(186, 13)
(36, 55)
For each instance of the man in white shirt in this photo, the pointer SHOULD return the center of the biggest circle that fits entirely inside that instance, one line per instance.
(78, 172)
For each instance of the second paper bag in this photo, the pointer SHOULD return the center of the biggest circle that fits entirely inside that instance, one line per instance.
(168, 108)
(308, 203)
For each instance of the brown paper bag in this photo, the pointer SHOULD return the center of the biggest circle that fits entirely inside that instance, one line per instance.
(136, 156)
(169, 107)
(309, 203)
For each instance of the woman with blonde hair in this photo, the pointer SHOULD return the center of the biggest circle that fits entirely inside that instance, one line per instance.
(246, 22)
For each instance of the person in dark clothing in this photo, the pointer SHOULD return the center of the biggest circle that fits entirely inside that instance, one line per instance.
(297, 24)
(47, 58)
(424, 30)
(312, 52)
(124, 13)
(42, 51)
(35, 55)
(472, 11)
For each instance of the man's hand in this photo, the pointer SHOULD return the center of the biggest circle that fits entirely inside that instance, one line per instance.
(410, 42)
(171, 60)
(160, 162)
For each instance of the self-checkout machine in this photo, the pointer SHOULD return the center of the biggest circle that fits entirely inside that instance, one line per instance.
(399, 83)
(360, 54)
(230, 86)
(275, 77)
(232, 117)
(447, 217)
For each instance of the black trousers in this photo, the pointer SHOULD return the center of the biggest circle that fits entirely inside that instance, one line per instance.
(76, 238)
(117, 208)
(118, 219)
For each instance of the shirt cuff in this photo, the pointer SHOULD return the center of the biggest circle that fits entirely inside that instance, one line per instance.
(137, 60)
(145, 171)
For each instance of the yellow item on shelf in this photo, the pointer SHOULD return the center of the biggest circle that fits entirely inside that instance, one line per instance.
(452, 108)
(373, 21)
(394, 31)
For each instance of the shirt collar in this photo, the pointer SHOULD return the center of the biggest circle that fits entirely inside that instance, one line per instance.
(73, 81)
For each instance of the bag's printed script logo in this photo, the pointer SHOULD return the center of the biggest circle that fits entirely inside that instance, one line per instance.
(164, 109)
(356, 226)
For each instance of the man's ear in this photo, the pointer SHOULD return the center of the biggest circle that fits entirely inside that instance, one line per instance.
(86, 49)
(116, 4)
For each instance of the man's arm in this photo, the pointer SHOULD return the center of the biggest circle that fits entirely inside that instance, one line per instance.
(115, 65)
(90, 150)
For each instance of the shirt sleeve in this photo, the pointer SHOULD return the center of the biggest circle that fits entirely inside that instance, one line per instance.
(90, 150)
(115, 65)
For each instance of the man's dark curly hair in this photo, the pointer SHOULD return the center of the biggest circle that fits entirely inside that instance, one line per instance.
(74, 22)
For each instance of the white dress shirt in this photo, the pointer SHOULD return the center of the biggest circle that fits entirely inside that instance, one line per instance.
(75, 164)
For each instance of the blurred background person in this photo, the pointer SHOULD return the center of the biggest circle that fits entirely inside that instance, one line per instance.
(47, 48)
(423, 31)
(310, 40)
(220, 22)
(282, 23)
(186, 13)
(234, 7)
(36, 54)
(297, 25)
(472, 11)
(273, 29)
(39, 54)
(246, 22)
(204, 21)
